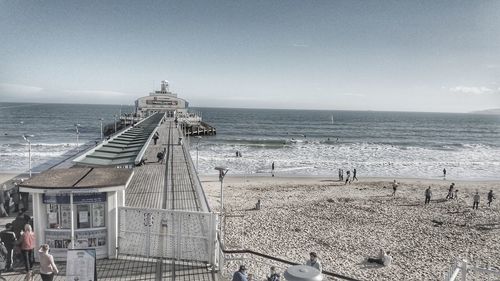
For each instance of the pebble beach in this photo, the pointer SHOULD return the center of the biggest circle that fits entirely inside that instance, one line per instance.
(346, 224)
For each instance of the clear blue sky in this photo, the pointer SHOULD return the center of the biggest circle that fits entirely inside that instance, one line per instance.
(352, 55)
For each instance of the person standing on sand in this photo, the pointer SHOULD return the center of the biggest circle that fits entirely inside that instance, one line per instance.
(348, 174)
(428, 195)
(450, 191)
(456, 194)
(272, 169)
(394, 187)
(314, 261)
(444, 173)
(476, 198)
(490, 197)
(354, 175)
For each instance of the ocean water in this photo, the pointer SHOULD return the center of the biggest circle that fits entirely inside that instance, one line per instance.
(377, 144)
(53, 128)
(300, 142)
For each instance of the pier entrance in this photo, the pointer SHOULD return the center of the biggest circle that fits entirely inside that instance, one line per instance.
(170, 234)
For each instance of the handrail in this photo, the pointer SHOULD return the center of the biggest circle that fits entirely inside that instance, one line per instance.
(328, 273)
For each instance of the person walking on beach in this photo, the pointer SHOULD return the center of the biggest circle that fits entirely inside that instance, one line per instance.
(490, 197)
(241, 274)
(340, 174)
(476, 199)
(9, 239)
(428, 195)
(348, 176)
(314, 261)
(394, 187)
(450, 191)
(27, 247)
(456, 194)
(444, 172)
(47, 266)
(354, 175)
(272, 169)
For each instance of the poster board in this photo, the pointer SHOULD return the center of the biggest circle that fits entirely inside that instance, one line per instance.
(81, 265)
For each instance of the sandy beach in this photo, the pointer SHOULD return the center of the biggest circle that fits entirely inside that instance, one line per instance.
(345, 224)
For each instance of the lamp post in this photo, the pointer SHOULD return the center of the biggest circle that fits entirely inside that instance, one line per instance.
(26, 138)
(222, 173)
(197, 143)
(102, 134)
(77, 134)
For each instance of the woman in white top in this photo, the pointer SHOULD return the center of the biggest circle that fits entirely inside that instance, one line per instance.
(47, 266)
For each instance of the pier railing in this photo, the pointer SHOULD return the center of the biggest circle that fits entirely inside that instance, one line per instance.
(259, 264)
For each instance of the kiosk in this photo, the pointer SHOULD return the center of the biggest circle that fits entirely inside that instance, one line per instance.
(78, 208)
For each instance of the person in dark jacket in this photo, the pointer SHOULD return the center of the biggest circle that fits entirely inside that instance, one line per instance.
(241, 274)
(9, 239)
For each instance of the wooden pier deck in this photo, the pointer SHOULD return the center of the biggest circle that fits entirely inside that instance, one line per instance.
(171, 183)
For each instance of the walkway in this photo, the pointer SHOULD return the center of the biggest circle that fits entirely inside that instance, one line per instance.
(171, 183)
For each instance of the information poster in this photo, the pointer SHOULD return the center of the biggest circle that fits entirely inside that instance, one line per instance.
(81, 265)
(98, 215)
(65, 216)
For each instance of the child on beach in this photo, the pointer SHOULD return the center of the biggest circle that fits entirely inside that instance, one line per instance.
(348, 174)
(450, 191)
(313, 261)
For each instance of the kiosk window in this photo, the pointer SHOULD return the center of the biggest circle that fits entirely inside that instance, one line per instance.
(85, 215)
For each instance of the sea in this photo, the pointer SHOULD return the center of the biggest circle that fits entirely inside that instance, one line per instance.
(299, 142)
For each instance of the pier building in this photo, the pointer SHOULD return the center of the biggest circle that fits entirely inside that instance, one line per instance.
(162, 101)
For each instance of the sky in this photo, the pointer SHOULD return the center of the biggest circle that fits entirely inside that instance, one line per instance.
(439, 56)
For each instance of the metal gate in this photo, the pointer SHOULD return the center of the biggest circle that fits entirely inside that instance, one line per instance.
(179, 235)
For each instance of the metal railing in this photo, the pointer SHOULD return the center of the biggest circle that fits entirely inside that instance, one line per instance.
(260, 263)
(462, 267)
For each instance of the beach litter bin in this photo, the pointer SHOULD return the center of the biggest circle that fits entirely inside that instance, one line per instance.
(302, 273)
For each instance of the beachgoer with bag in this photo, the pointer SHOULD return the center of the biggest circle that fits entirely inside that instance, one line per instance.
(47, 266)
(27, 247)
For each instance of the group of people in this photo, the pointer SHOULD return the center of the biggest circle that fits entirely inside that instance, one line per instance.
(242, 273)
(21, 245)
(348, 176)
(453, 194)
